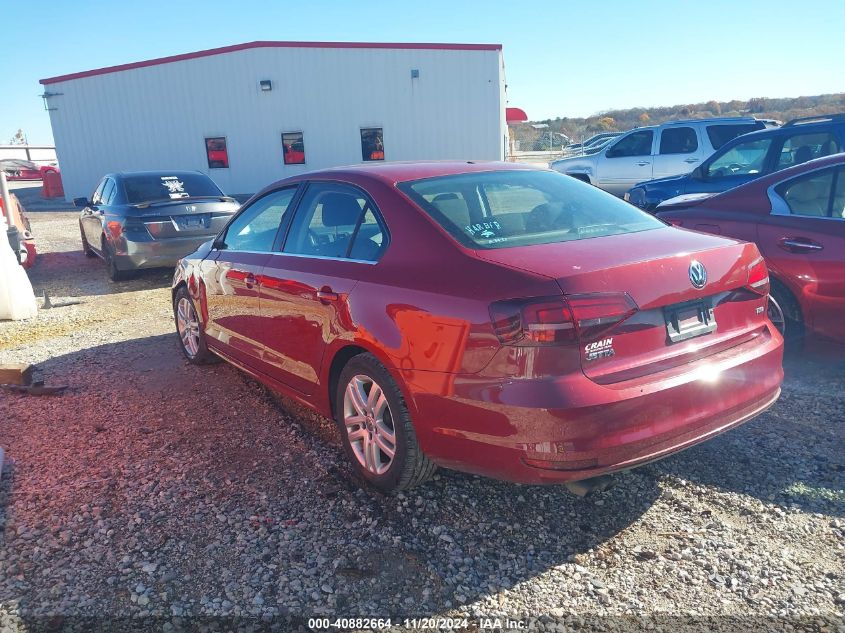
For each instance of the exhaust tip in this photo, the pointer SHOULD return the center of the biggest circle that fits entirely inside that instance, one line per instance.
(585, 487)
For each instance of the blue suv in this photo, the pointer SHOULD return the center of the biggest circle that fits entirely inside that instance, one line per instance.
(748, 157)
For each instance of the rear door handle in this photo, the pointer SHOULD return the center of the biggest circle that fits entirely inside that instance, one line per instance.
(643, 163)
(690, 160)
(326, 294)
(799, 245)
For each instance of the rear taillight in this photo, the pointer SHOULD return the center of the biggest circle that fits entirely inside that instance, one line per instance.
(530, 322)
(597, 311)
(115, 228)
(558, 320)
(758, 277)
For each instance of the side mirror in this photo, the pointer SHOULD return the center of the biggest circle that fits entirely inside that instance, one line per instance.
(218, 244)
(81, 203)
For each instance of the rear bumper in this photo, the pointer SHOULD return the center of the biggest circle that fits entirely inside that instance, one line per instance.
(571, 428)
(162, 253)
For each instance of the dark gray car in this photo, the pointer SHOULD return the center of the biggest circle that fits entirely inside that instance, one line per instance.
(151, 219)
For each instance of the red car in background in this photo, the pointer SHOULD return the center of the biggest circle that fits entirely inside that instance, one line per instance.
(490, 317)
(797, 219)
(18, 169)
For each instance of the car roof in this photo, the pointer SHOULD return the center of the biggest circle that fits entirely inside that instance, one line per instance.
(393, 172)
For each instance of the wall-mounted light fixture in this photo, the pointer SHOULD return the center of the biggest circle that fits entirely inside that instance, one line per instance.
(266, 85)
(415, 73)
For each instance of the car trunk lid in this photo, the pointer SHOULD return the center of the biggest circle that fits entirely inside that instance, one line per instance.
(184, 217)
(674, 322)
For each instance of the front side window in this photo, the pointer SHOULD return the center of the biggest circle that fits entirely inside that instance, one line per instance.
(256, 227)
(216, 152)
(808, 195)
(526, 207)
(720, 134)
(293, 148)
(338, 221)
(741, 159)
(678, 140)
(635, 144)
(372, 143)
(800, 148)
(152, 187)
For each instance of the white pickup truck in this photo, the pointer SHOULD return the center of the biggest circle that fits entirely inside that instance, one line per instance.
(657, 151)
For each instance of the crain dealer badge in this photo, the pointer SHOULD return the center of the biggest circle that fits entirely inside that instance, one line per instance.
(599, 349)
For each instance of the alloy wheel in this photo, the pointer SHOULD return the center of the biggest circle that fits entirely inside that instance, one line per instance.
(369, 424)
(188, 325)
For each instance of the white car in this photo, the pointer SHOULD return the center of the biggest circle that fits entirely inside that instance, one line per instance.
(657, 151)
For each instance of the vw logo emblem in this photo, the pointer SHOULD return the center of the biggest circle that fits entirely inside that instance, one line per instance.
(697, 274)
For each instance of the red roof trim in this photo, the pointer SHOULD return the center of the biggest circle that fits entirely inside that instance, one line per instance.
(271, 44)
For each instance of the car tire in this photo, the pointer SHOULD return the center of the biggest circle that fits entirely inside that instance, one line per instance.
(785, 313)
(86, 247)
(189, 329)
(115, 274)
(370, 427)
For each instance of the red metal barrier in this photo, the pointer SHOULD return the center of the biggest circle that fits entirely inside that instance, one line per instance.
(52, 185)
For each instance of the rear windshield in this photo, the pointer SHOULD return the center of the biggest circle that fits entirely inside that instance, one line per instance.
(499, 209)
(150, 187)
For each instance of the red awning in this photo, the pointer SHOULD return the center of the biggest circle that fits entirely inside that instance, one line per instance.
(515, 115)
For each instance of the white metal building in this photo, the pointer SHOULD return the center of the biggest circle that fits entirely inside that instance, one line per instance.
(226, 111)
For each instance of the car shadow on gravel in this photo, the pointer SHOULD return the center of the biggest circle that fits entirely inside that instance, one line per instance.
(71, 273)
(203, 472)
(792, 454)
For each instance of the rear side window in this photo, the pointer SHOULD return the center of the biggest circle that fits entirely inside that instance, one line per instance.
(97, 198)
(800, 148)
(164, 186)
(722, 133)
(678, 140)
(255, 228)
(635, 144)
(521, 208)
(741, 159)
(336, 221)
(808, 195)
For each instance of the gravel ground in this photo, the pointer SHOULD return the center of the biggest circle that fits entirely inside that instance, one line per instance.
(157, 489)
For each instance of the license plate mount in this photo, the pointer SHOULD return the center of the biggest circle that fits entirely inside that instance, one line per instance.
(688, 320)
(197, 221)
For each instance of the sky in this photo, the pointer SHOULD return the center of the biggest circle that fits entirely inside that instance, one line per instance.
(562, 58)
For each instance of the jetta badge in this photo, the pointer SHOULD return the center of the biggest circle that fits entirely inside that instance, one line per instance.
(697, 274)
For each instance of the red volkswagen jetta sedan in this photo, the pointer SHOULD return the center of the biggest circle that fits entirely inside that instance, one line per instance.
(492, 318)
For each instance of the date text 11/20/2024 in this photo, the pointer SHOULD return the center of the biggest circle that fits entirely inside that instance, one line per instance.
(419, 624)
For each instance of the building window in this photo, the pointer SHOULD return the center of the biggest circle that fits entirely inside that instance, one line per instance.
(372, 143)
(215, 150)
(293, 148)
